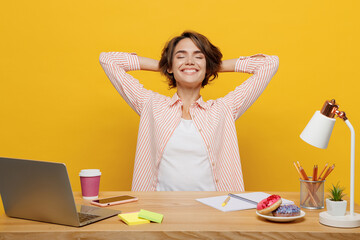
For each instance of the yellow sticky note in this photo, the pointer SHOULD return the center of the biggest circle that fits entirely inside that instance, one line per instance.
(132, 218)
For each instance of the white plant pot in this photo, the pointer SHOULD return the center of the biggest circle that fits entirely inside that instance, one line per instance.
(336, 208)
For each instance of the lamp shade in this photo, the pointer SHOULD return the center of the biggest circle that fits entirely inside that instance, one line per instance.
(318, 131)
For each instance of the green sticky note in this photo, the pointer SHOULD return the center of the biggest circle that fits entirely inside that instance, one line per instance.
(154, 217)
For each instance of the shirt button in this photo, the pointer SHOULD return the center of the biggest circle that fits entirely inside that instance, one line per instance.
(200, 130)
(217, 180)
(213, 164)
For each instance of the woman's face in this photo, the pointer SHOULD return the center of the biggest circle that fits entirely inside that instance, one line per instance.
(189, 64)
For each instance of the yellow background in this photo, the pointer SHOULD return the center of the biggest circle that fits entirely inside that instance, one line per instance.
(56, 103)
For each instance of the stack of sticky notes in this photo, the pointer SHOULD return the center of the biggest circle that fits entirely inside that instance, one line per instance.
(132, 218)
(141, 217)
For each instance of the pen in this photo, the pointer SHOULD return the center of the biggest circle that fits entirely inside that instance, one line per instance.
(238, 197)
(243, 199)
(226, 201)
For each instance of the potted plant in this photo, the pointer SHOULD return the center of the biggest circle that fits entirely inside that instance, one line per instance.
(335, 205)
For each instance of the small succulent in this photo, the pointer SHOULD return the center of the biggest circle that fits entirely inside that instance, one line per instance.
(336, 193)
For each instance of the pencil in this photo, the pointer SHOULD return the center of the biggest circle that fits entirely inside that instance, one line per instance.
(303, 173)
(315, 170)
(226, 201)
(323, 170)
(328, 171)
(297, 169)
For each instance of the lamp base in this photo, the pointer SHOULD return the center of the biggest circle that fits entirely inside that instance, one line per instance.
(346, 221)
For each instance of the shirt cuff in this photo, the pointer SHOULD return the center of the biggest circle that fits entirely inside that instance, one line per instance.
(248, 64)
(133, 61)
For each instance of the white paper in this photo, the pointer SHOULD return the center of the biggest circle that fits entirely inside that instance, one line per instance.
(236, 204)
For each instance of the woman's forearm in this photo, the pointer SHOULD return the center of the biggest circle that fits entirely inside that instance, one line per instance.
(229, 65)
(148, 64)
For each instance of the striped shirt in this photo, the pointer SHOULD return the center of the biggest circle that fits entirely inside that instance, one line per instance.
(214, 119)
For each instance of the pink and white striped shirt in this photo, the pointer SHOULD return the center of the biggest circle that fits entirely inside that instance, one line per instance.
(214, 119)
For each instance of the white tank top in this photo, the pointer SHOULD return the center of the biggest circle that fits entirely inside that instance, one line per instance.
(184, 165)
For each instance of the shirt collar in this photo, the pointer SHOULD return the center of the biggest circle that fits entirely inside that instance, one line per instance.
(176, 99)
(201, 102)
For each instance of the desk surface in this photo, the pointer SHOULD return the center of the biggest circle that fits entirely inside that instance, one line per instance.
(184, 218)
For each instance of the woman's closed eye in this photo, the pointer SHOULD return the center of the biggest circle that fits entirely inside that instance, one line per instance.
(199, 56)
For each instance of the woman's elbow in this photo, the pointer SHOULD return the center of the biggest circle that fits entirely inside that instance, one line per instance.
(104, 58)
(275, 62)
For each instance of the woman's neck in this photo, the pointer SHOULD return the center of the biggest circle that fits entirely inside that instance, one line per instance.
(188, 97)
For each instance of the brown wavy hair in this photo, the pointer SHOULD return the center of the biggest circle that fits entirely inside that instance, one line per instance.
(212, 55)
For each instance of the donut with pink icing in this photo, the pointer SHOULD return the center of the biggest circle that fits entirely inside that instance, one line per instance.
(269, 204)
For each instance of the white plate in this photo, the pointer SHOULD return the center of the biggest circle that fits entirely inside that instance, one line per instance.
(281, 219)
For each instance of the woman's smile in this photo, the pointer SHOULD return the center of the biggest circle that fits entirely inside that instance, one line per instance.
(189, 71)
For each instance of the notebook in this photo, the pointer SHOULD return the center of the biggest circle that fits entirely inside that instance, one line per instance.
(41, 191)
(236, 204)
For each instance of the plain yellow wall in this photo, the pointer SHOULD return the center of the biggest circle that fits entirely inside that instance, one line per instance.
(56, 103)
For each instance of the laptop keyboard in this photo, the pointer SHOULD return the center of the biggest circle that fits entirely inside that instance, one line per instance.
(86, 217)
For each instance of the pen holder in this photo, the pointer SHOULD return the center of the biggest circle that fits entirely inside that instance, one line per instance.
(312, 194)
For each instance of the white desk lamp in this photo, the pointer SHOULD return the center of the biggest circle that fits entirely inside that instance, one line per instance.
(317, 133)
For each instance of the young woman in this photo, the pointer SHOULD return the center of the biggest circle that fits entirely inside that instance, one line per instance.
(184, 143)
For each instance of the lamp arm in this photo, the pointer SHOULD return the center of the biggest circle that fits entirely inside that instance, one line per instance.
(352, 167)
(341, 115)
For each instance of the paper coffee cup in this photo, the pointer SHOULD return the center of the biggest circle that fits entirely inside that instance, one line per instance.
(90, 182)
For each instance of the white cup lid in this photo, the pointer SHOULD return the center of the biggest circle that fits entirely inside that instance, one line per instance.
(90, 173)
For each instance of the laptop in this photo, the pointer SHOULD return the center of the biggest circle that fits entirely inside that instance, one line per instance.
(41, 191)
